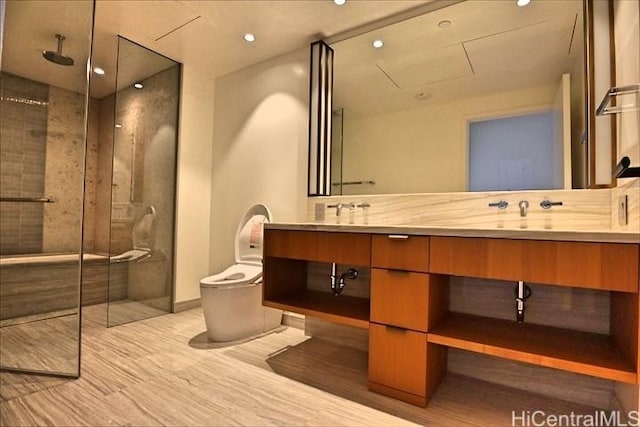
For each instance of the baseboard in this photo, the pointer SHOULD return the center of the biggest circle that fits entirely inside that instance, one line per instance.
(294, 320)
(186, 305)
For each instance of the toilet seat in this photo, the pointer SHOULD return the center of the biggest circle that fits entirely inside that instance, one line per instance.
(235, 276)
(248, 253)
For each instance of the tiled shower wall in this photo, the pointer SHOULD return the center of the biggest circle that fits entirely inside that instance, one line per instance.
(23, 140)
(42, 150)
(64, 174)
(143, 162)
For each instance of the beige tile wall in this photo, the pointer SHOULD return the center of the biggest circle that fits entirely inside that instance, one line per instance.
(64, 172)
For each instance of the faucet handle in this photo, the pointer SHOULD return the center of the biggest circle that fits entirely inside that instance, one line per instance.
(546, 204)
(502, 204)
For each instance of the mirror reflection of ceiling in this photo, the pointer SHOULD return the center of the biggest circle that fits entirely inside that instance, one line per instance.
(470, 49)
(205, 34)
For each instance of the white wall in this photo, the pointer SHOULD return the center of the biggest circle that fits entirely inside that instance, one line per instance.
(627, 40)
(259, 147)
(194, 182)
(425, 149)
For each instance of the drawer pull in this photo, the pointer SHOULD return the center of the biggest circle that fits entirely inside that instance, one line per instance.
(398, 236)
(395, 329)
(395, 271)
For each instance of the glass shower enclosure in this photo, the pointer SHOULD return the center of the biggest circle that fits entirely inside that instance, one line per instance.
(87, 183)
(142, 207)
(43, 132)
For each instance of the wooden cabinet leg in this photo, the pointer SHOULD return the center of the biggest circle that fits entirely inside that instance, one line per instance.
(436, 367)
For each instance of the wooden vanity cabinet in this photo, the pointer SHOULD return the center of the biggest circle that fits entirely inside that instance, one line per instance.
(608, 266)
(405, 302)
(400, 252)
(341, 248)
(410, 327)
(286, 256)
(604, 267)
(403, 365)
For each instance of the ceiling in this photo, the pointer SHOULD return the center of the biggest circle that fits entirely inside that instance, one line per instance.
(488, 47)
(204, 35)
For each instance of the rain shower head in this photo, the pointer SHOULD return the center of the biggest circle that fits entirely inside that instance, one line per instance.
(57, 57)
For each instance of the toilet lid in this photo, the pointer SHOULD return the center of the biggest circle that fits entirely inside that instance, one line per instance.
(248, 244)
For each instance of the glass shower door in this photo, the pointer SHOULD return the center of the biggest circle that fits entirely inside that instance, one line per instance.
(43, 139)
(143, 184)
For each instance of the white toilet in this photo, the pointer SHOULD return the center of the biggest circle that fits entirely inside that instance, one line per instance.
(232, 299)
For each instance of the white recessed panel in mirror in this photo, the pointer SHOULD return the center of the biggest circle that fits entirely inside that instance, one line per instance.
(446, 63)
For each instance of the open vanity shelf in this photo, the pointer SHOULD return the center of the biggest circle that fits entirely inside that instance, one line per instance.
(287, 259)
(408, 312)
(575, 351)
(345, 310)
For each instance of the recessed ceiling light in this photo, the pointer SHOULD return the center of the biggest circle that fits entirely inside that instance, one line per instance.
(444, 24)
(118, 125)
(422, 96)
(98, 71)
(339, 2)
(138, 85)
(377, 44)
(249, 37)
(522, 2)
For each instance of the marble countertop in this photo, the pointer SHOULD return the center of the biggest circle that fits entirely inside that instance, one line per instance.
(506, 233)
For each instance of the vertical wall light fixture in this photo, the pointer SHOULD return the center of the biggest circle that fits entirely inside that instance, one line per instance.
(320, 105)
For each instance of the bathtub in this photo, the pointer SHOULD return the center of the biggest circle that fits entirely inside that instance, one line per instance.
(36, 284)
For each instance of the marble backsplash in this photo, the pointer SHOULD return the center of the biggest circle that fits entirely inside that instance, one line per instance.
(631, 189)
(580, 209)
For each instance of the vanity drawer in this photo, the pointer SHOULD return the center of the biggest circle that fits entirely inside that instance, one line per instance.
(400, 252)
(398, 359)
(610, 266)
(400, 298)
(321, 246)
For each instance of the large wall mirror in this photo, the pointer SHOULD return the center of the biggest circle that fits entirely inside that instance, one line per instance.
(474, 96)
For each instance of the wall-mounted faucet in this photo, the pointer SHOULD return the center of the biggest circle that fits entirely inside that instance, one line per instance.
(523, 205)
(338, 207)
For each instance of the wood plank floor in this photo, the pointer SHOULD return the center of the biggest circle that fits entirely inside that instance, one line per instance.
(146, 374)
